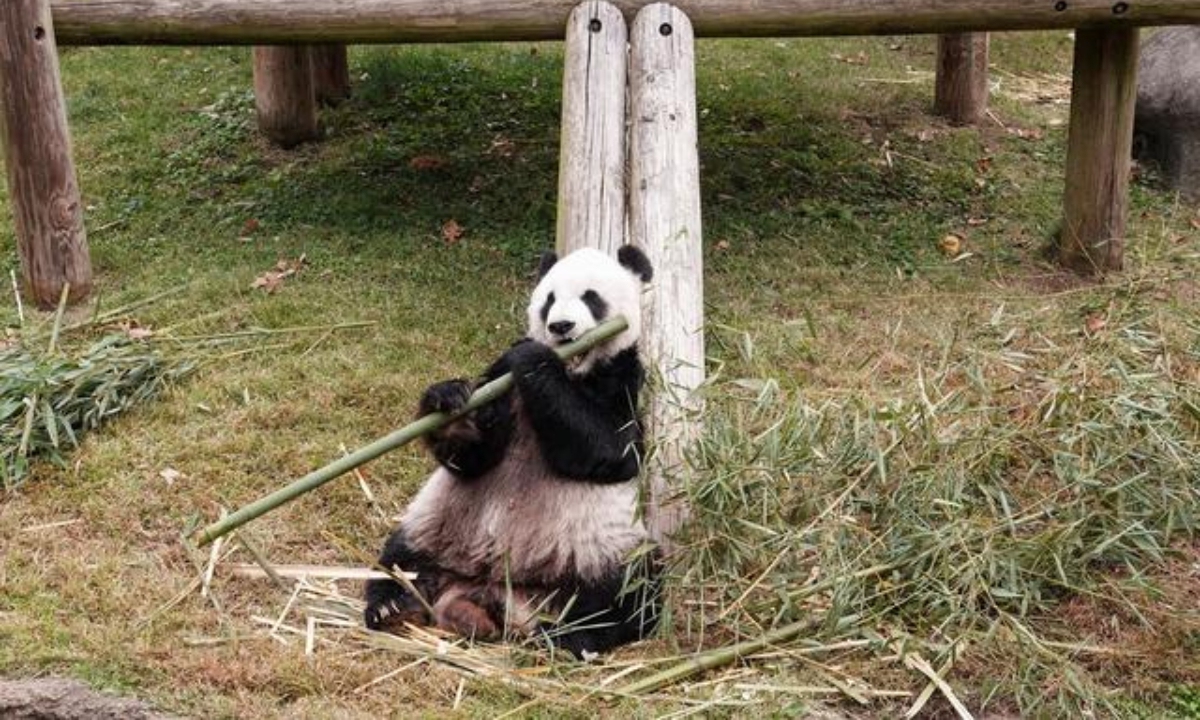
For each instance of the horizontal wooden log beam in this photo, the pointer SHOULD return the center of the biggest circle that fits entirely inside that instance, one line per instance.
(232, 22)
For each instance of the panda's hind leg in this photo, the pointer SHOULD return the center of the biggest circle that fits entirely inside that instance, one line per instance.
(460, 610)
(607, 614)
(389, 604)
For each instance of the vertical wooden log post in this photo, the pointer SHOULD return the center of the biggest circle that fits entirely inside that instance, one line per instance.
(961, 91)
(37, 148)
(1103, 93)
(284, 94)
(591, 161)
(664, 220)
(331, 73)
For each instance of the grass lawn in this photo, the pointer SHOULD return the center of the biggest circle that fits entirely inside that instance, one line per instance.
(978, 466)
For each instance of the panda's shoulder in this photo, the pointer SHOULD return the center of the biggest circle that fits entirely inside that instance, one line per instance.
(620, 370)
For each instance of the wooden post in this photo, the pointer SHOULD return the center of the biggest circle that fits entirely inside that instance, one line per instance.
(331, 73)
(961, 92)
(591, 163)
(664, 220)
(1103, 93)
(37, 148)
(284, 94)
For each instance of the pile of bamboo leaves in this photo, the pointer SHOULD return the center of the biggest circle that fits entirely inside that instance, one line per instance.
(958, 515)
(60, 381)
(50, 399)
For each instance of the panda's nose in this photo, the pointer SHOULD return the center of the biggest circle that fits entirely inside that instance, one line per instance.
(562, 327)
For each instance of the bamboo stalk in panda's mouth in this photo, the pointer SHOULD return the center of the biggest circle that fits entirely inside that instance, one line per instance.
(422, 426)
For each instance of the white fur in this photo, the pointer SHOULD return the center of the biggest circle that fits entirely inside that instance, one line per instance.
(571, 277)
(521, 523)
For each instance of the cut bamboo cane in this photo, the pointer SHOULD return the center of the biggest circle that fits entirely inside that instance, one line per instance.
(485, 394)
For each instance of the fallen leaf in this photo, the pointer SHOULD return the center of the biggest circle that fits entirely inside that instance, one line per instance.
(502, 147)
(1027, 133)
(249, 227)
(1095, 323)
(427, 162)
(983, 164)
(272, 280)
(951, 245)
(452, 231)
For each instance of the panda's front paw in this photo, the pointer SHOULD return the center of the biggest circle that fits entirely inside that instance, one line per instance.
(390, 608)
(449, 396)
(528, 357)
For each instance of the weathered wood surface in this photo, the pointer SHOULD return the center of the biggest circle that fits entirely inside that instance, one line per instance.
(961, 91)
(42, 185)
(331, 73)
(591, 164)
(228, 22)
(664, 220)
(1099, 144)
(284, 94)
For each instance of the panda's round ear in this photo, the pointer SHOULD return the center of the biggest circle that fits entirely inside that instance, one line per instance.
(636, 262)
(547, 262)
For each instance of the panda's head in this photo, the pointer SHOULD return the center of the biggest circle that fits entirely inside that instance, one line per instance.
(581, 290)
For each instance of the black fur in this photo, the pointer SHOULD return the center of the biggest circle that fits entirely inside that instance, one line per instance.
(636, 262)
(587, 427)
(473, 444)
(596, 305)
(388, 603)
(547, 261)
(599, 616)
(610, 613)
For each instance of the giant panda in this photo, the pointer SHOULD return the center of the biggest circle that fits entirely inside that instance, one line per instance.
(528, 524)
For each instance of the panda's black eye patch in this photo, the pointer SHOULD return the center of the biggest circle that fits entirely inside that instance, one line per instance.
(546, 306)
(596, 304)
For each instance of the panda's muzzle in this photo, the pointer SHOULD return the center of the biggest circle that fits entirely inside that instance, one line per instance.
(562, 330)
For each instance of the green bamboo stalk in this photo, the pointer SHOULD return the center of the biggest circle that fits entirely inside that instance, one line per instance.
(719, 657)
(422, 426)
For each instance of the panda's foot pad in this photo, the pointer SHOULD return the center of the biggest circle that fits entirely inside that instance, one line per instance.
(463, 617)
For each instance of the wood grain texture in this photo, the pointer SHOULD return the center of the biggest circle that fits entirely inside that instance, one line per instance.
(284, 94)
(961, 91)
(331, 73)
(591, 164)
(664, 220)
(1099, 145)
(228, 22)
(42, 183)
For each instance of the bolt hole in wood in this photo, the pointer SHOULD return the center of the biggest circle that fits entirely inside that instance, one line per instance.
(595, 25)
(39, 32)
(665, 29)
(1120, 8)
(1060, 5)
